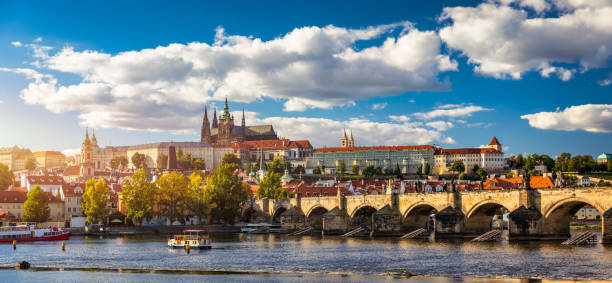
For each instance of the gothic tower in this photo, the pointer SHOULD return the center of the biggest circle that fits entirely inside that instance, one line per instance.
(226, 125)
(87, 165)
(343, 140)
(94, 141)
(205, 135)
(243, 129)
(351, 141)
(215, 124)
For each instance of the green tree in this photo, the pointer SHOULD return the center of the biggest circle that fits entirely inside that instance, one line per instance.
(123, 161)
(426, 169)
(139, 160)
(270, 187)
(609, 166)
(248, 167)
(31, 163)
(341, 167)
(6, 177)
(198, 205)
(562, 162)
(397, 171)
(94, 201)
(355, 169)
(316, 170)
(276, 165)
(230, 158)
(225, 194)
(369, 171)
(419, 170)
(172, 197)
(475, 168)
(36, 206)
(520, 161)
(458, 167)
(198, 164)
(114, 163)
(138, 195)
(482, 174)
(379, 171)
(300, 169)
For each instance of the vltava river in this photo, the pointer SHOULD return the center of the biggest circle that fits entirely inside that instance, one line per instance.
(304, 259)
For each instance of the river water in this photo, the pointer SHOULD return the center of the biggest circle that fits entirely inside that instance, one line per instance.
(278, 258)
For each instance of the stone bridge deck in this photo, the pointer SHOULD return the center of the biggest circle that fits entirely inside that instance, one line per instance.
(534, 214)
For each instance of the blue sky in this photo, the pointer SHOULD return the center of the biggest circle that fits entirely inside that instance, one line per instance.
(534, 73)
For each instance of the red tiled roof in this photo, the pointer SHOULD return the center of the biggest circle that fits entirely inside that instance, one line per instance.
(535, 182)
(18, 189)
(54, 199)
(361, 148)
(45, 180)
(13, 197)
(6, 215)
(494, 141)
(300, 144)
(68, 189)
(466, 151)
(72, 171)
(267, 144)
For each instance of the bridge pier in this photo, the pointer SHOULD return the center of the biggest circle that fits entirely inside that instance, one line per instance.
(292, 219)
(387, 221)
(606, 227)
(336, 222)
(524, 224)
(449, 223)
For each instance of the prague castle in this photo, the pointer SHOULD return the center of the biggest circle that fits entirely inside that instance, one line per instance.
(224, 132)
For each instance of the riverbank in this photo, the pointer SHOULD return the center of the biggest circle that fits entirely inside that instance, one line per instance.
(119, 276)
(272, 256)
(156, 230)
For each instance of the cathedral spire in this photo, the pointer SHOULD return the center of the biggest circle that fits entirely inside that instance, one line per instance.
(94, 141)
(215, 124)
(205, 132)
(86, 140)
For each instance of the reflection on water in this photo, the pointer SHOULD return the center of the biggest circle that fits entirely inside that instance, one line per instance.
(313, 256)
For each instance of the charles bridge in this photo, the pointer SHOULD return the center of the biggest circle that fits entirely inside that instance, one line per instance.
(535, 214)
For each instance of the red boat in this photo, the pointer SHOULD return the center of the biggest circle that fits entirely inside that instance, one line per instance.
(29, 233)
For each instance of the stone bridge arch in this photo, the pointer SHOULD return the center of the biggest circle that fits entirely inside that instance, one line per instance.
(557, 217)
(480, 217)
(417, 215)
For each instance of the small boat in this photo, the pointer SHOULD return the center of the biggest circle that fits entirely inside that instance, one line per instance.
(255, 228)
(29, 233)
(196, 239)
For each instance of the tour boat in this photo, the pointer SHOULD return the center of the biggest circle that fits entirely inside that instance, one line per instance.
(196, 239)
(29, 233)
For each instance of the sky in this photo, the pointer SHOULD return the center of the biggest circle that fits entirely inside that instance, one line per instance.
(534, 73)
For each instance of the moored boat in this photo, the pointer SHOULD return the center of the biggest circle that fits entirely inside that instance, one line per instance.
(29, 233)
(196, 239)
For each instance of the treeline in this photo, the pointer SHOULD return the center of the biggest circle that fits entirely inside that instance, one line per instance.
(565, 162)
(176, 197)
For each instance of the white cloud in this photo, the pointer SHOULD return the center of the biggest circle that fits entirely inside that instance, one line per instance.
(595, 118)
(440, 125)
(327, 132)
(502, 39)
(606, 82)
(164, 88)
(451, 110)
(38, 39)
(399, 118)
(379, 106)
(16, 43)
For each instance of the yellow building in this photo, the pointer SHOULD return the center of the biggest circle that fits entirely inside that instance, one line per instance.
(50, 159)
(14, 157)
(13, 200)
